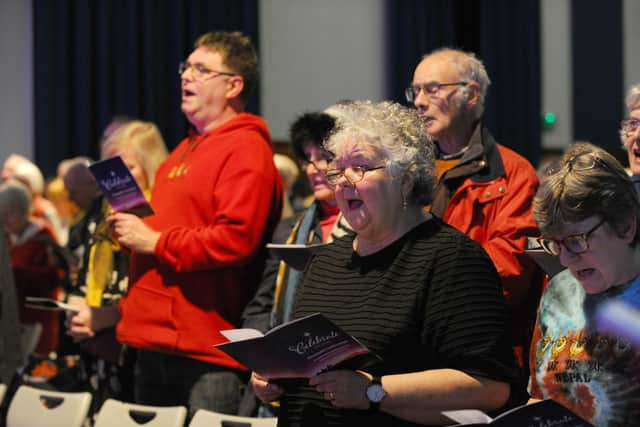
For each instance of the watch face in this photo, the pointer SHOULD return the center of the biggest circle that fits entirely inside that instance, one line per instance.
(375, 393)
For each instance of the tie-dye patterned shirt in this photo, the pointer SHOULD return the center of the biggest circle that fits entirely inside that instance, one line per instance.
(595, 374)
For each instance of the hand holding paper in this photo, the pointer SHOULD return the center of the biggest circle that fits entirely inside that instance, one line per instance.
(301, 348)
(132, 232)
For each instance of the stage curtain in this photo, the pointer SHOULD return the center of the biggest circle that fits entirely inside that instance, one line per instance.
(95, 59)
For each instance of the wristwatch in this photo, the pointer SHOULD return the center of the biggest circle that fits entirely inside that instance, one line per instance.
(375, 393)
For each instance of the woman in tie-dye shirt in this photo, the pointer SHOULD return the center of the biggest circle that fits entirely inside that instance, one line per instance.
(589, 216)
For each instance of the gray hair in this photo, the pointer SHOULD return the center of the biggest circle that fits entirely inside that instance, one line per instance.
(469, 68)
(15, 197)
(397, 132)
(633, 101)
(31, 176)
(569, 193)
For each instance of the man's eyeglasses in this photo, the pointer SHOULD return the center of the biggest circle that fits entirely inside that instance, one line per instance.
(353, 174)
(431, 88)
(629, 125)
(320, 164)
(576, 243)
(200, 72)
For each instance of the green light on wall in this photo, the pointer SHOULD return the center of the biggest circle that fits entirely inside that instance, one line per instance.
(549, 120)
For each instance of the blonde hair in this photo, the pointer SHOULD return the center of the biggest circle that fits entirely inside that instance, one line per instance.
(144, 140)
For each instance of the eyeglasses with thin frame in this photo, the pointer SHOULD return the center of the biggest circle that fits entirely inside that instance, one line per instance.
(353, 174)
(200, 72)
(431, 88)
(629, 125)
(579, 163)
(576, 243)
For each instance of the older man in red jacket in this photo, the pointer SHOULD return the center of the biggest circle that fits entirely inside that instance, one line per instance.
(484, 189)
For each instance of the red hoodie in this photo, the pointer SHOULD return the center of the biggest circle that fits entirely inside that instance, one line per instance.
(217, 199)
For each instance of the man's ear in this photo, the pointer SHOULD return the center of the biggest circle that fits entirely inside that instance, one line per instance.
(235, 84)
(473, 94)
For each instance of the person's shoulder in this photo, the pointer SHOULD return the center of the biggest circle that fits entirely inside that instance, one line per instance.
(446, 246)
(562, 301)
(246, 123)
(514, 161)
(437, 233)
(344, 241)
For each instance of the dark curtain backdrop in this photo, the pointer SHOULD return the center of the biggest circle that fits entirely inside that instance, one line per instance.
(100, 58)
(598, 108)
(504, 34)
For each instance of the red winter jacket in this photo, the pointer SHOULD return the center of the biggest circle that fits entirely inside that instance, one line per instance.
(489, 196)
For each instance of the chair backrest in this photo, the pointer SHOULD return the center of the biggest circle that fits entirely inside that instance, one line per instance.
(123, 414)
(203, 418)
(31, 407)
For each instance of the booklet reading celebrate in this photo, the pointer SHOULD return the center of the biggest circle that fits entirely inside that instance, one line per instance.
(120, 187)
(546, 413)
(301, 348)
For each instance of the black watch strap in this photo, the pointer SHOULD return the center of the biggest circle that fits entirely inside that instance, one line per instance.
(375, 393)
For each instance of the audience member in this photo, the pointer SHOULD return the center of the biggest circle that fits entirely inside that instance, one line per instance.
(483, 189)
(30, 175)
(417, 292)
(11, 353)
(35, 268)
(10, 164)
(68, 211)
(196, 262)
(589, 216)
(103, 278)
(630, 134)
(320, 222)
(84, 192)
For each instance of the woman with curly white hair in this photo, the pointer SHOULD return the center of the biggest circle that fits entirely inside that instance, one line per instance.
(419, 294)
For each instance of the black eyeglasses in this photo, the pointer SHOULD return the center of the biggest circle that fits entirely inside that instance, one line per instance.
(431, 88)
(353, 174)
(576, 243)
(629, 125)
(200, 72)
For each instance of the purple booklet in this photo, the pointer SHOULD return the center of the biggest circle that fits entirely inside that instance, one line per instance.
(119, 187)
(301, 348)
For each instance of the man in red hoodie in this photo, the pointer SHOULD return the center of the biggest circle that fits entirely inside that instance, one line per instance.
(196, 261)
